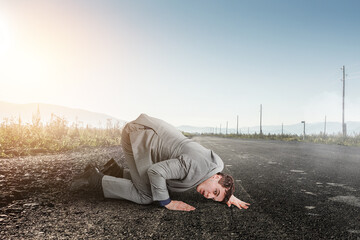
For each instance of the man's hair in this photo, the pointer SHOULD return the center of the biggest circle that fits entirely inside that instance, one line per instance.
(227, 182)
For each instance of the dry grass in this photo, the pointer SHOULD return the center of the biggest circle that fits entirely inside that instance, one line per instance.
(18, 139)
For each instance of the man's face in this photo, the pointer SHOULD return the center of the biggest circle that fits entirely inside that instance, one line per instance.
(211, 189)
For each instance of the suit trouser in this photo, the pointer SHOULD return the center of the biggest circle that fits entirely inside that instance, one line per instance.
(137, 189)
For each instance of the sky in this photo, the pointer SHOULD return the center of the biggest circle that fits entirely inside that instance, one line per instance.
(199, 63)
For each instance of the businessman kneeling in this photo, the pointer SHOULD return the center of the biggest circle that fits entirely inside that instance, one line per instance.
(161, 159)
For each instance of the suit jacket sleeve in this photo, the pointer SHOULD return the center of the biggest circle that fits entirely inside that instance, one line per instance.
(161, 171)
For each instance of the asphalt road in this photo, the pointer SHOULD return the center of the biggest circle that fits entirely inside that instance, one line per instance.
(296, 190)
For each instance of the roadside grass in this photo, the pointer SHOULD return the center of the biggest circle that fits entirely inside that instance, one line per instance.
(314, 138)
(21, 139)
(18, 139)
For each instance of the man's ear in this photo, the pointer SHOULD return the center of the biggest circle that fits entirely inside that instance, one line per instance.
(217, 177)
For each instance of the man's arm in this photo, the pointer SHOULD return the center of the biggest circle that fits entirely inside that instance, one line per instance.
(159, 173)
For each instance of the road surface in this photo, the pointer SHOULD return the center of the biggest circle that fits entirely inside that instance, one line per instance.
(297, 190)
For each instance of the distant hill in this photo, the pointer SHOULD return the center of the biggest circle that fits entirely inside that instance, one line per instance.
(83, 117)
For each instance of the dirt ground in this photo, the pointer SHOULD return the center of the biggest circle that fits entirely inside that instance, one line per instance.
(35, 199)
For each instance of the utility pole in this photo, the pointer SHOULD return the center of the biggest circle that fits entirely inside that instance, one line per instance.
(304, 129)
(226, 127)
(325, 127)
(260, 119)
(237, 125)
(220, 129)
(343, 105)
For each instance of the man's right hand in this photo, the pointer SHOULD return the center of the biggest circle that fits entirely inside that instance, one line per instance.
(237, 202)
(179, 206)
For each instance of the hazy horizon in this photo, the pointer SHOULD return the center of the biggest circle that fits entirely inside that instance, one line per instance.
(191, 63)
(98, 119)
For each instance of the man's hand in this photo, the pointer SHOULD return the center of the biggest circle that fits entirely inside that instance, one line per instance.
(237, 202)
(179, 206)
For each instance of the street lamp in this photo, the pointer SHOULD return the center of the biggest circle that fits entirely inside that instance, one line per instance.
(304, 129)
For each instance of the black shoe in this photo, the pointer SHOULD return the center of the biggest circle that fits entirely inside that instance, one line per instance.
(90, 178)
(89, 169)
(94, 177)
(113, 168)
(79, 184)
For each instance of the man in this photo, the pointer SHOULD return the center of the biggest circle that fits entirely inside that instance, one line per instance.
(162, 159)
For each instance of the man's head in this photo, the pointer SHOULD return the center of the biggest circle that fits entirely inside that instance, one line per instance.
(218, 187)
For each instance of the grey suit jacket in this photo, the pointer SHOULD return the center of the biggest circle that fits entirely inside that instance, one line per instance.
(168, 159)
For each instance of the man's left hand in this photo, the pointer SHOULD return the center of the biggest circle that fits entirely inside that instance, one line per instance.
(237, 202)
(179, 206)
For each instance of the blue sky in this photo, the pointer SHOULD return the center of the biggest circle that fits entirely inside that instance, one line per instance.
(188, 62)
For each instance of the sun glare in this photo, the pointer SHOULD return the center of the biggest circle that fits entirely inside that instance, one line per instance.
(24, 68)
(4, 37)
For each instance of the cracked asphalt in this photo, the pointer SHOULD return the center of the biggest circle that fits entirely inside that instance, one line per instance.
(296, 190)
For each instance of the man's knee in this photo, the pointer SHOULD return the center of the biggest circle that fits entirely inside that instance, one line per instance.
(145, 199)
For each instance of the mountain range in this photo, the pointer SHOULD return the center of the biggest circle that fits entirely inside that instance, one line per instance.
(84, 118)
